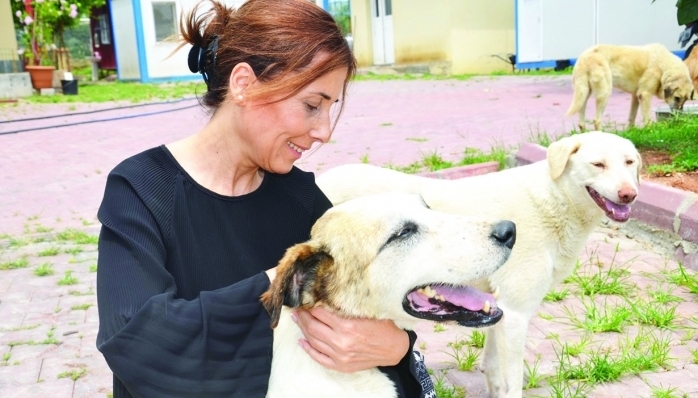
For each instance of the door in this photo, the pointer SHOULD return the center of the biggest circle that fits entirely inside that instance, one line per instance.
(382, 22)
(102, 38)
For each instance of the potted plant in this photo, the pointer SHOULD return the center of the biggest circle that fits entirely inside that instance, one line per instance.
(41, 24)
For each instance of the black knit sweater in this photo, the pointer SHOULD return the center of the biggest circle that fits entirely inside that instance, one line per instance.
(180, 273)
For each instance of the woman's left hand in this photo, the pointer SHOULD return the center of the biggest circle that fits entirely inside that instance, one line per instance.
(350, 344)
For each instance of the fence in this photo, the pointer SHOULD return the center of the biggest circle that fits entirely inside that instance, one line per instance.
(9, 61)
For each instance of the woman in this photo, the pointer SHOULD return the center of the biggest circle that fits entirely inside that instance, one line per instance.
(192, 230)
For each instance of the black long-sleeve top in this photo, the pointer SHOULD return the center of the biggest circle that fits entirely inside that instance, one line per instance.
(180, 273)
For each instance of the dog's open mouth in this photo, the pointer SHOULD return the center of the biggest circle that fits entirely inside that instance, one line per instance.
(614, 211)
(463, 304)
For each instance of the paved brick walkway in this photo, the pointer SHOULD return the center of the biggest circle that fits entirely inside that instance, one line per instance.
(53, 179)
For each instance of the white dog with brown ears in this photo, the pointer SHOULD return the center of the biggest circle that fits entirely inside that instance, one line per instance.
(382, 257)
(555, 204)
(643, 71)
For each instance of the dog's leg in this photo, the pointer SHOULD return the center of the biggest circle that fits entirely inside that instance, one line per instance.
(602, 94)
(645, 104)
(490, 364)
(582, 111)
(634, 103)
(503, 356)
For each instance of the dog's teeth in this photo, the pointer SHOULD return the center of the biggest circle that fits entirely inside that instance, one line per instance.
(427, 291)
(486, 308)
(495, 293)
(440, 298)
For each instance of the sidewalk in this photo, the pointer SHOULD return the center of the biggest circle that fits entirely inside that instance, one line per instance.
(54, 179)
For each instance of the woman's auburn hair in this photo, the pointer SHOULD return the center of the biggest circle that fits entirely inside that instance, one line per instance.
(278, 38)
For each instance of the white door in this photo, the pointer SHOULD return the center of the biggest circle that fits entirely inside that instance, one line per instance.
(383, 44)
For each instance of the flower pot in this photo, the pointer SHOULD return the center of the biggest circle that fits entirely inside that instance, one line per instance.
(41, 76)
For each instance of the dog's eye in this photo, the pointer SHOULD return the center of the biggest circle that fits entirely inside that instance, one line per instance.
(629, 162)
(677, 99)
(407, 230)
(599, 165)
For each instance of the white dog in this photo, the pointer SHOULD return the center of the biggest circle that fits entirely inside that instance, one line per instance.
(380, 257)
(555, 204)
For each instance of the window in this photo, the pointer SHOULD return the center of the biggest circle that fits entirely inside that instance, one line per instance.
(164, 16)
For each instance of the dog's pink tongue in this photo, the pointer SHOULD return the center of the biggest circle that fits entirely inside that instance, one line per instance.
(619, 211)
(466, 297)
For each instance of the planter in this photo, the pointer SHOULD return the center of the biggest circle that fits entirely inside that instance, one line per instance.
(41, 76)
(70, 87)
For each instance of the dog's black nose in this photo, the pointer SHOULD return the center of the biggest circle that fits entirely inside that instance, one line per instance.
(505, 233)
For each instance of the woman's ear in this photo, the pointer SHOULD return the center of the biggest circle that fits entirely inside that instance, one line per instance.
(241, 77)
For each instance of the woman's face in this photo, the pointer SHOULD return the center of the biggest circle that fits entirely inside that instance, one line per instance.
(280, 132)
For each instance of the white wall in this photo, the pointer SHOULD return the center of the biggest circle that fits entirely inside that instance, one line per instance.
(124, 31)
(550, 30)
(160, 63)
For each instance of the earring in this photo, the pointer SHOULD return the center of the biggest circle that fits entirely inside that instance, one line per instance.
(239, 97)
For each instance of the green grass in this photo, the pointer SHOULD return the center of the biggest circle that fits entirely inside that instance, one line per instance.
(75, 236)
(50, 251)
(433, 161)
(68, 279)
(44, 269)
(89, 92)
(72, 374)
(81, 307)
(21, 262)
(677, 136)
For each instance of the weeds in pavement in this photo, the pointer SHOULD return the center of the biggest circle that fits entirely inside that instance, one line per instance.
(652, 313)
(554, 296)
(612, 281)
(477, 339)
(44, 269)
(600, 319)
(68, 279)
(75, 236)
(662, 295)
(21, 262)
(81, 307)
(683, 277)
(532, 377)
(465, 356)
(444, 390)
(73, 250)
(671, 392)
(49, 251)
(72, 374)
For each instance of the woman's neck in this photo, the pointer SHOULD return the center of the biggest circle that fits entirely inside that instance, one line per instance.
(215, 161)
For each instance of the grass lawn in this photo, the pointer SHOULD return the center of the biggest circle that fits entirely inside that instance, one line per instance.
(89, 92)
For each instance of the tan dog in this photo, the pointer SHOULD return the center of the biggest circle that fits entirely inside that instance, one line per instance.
(383, 257)
(555, 204)
(692, 64)
(642, 71)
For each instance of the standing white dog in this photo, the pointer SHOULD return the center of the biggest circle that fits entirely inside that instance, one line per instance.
(642, 71)
(555, 205)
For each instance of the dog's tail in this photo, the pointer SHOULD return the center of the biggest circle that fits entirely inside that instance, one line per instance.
(582, 90)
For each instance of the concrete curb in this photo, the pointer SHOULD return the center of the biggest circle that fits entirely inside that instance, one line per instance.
(463, 171)
(663, 207)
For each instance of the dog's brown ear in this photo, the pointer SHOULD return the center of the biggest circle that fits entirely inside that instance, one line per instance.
(668, 91)
(559, 153)
(296, 274)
